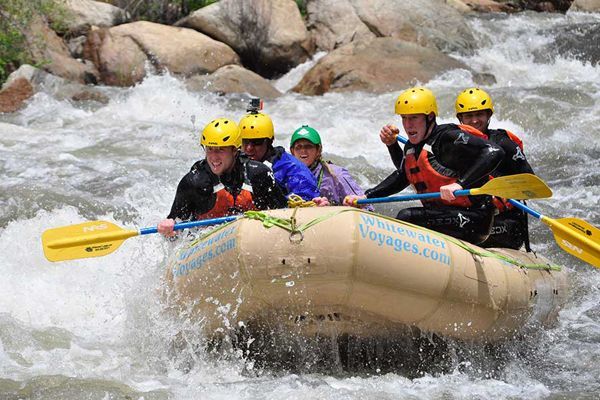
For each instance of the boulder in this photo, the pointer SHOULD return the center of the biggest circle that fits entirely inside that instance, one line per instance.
(233, 79)
(334, 23)
(121, 53)
(459, 5)
(430, 23)
(579, 41)
(85, 13)
(48, 50)
(13, 95)
(269, 35)
(585, 5)
(57, 87)
(381, 65)
(483, 6)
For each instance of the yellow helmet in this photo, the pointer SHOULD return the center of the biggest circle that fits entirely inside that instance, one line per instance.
(221, 132)
(473, 99)
(416, 100)
(257, 126)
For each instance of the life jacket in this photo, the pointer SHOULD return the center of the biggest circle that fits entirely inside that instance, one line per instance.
(478, 133)
(500, 203)
(427, 175)
(226, 204)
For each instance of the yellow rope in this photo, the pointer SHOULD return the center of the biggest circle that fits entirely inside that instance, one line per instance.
(295, 201)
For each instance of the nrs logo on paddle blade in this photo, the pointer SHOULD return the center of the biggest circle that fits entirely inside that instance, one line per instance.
(94, 228)
(571, 246)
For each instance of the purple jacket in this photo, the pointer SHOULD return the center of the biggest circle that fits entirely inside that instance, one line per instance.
(335, 183)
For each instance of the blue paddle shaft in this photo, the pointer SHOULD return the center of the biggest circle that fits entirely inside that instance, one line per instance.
(515, 203)
(191, 224)
(523, 207)
(407, 197)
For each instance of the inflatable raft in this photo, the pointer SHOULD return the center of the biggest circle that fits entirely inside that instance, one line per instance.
(338, 270)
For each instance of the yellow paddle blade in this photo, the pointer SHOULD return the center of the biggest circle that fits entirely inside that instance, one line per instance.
(520, 187)
(90, 239)
(576, 237)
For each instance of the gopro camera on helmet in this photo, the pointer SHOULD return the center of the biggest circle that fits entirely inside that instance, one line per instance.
(255, 105)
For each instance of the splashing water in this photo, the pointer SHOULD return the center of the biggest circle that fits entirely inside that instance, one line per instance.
(98, 326)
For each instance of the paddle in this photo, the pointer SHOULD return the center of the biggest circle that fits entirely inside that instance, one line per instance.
(575, 236)
(99, 238)
(521, 186)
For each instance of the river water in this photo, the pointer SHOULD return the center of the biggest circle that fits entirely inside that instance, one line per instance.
(96, 329)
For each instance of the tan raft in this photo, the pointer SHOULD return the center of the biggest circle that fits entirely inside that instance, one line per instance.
(338, 270)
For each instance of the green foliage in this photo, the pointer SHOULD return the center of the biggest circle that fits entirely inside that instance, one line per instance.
(194, 5)
(15, 18)
(302, 7)
(56, 14)
(161, 11)
(13, 22)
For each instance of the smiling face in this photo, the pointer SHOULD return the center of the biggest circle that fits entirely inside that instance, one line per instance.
(306, 151)
(220, 159)
(256, 149)
(477, 119)
(415, 127)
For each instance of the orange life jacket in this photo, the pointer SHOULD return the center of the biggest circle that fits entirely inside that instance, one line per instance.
(500, 203)
(477, 132)
(473, 131)
(426, 178)
(226, 204)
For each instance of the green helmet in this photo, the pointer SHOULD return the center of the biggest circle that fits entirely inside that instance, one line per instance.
(305, 132)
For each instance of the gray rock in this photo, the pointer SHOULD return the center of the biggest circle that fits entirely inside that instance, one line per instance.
(57, 87)
(233, 79)
(381, 65)
(585, 5)
(269, 35)
(430, 23)
(49, 50)
(484, 6)
(334, 23)
(577, 41)
(122, 53)
(85, 13)
(75, 46)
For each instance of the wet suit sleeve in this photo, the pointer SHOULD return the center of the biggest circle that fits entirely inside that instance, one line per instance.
(267, 194)
(396, 154)
(191, 198)
(472, 157)
(394, 183)
(514, 161)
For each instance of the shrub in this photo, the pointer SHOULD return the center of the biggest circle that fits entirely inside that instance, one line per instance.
(302, 7)
(161, 11)
(15, 19)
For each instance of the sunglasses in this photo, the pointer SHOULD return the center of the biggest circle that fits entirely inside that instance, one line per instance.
(254, 142)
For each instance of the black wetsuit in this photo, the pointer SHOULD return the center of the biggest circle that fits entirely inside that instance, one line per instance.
(472, 159)
(195, 192)
(510, 226)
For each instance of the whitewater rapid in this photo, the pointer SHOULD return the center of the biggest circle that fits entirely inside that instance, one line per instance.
(98, 326)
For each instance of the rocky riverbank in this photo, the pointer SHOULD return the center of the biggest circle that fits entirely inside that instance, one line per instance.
(236, 47)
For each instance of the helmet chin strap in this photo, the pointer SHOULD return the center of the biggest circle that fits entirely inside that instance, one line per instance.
(429, 124)
(487, 125)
